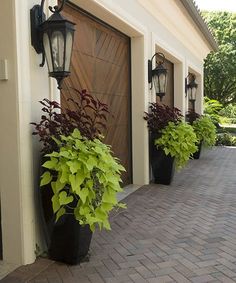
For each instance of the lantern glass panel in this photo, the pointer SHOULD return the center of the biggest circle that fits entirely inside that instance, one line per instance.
(57, 41)
(192, 93)
(163, 82)
(69, 43)
(160, 82)
(47, 50)
(156, 83)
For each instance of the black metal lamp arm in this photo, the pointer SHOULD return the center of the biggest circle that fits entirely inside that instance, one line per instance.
(37, 17)
(57, 9)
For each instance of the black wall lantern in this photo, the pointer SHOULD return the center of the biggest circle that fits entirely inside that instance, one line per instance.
(191, 88)
(158, 76)
(53, 38)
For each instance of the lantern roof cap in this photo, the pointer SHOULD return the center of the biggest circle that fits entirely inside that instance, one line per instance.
(57, 17)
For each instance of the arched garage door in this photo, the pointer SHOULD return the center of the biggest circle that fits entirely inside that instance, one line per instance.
(101, 65)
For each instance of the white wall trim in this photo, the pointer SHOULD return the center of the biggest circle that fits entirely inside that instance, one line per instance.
(178, 60)
(171, 53)
(112, 14)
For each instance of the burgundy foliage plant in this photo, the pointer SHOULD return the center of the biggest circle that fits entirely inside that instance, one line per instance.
(86, 113)
(160, 115)
(191, 116)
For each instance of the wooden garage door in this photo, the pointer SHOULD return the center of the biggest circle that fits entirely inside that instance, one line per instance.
(101, 65)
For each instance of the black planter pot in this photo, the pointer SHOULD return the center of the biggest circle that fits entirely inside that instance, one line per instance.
(70, 241)
(67, 241)
(196, 154)
(47, 216)
(162, 164)
(46, 212)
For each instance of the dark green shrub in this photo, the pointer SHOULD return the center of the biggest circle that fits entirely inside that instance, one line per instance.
(205, 130)
(212, 108)
(229, 111)
(226, 139)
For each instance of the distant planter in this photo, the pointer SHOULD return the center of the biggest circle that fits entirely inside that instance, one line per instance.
(172, 141)
(204, 129)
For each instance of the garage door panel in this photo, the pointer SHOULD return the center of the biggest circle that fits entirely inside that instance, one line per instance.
(82, 70)
(117, 107)
(117, 138)
(109, 49)
(104, 46)
(123, 85)
(85, 39)
(107, 77)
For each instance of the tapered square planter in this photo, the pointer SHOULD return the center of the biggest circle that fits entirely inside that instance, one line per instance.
(67, 241)
(162, 165)
(196, 154)
(70, 241)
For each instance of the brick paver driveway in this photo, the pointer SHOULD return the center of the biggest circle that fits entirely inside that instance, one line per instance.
(185, 232)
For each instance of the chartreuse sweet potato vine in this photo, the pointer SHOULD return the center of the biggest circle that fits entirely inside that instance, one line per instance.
(205, 130)
(178, 140)
(85, 178)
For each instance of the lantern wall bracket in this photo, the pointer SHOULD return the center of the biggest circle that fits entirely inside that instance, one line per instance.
(37, 17)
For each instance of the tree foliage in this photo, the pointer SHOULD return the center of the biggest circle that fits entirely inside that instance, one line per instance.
(220, 66)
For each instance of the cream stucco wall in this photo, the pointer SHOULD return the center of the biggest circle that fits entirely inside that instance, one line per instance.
(151, 24)
(9, 127)
(19, 106)
(172, 15)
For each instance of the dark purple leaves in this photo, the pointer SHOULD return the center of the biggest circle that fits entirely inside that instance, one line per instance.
(191, 116)
(86, 113)
(160, 115)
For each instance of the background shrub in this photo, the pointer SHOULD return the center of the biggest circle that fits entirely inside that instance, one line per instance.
(229, 114)
(226, 139)
(205, 130)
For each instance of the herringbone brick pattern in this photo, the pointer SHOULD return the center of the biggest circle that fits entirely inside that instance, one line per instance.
(183, 233)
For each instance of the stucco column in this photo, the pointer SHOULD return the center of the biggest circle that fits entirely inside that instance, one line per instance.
(140, 97)
(179, 81)
(199, 95)
(12, 202)
(27, 84)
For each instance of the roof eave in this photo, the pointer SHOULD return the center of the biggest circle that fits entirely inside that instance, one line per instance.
(197, 18)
